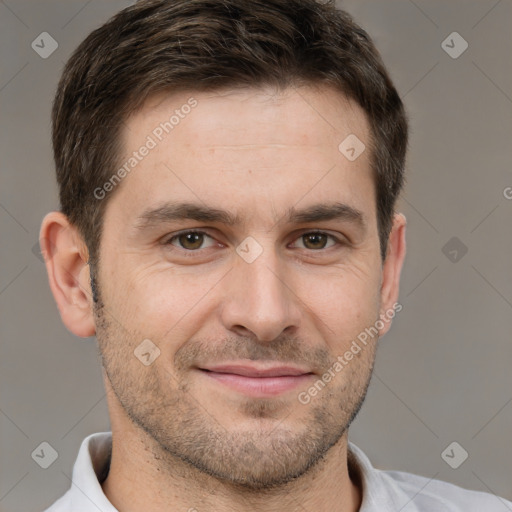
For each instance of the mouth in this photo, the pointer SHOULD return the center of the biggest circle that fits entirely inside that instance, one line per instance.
(258, 381)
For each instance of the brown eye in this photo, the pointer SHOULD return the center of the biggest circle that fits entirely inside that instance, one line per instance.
(317, 240)
(189, 240)
(314, 240)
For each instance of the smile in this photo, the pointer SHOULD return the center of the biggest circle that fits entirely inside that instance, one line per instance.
(258, 382)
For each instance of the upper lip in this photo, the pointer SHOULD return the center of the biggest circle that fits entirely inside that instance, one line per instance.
(255, 371)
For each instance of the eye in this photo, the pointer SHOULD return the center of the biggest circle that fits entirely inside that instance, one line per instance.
(189, 240)
(192, 241)
(317, 240)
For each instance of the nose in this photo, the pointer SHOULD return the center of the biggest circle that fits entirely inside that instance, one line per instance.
(261, 301)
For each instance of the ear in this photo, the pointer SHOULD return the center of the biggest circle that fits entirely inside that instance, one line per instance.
(391, 271)
(66, 257)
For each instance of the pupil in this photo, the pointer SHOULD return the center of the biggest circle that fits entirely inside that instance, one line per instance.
(315, 238)
(192, 239)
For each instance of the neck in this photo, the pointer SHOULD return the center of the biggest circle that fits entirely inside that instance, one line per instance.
(143, 476)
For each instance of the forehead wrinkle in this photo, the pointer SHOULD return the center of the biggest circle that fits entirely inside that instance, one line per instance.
(252, 146)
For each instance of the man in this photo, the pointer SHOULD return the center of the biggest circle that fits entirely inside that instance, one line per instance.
(228, 172)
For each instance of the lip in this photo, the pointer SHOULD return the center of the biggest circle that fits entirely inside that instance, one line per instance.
(257, 371)
(258, 381)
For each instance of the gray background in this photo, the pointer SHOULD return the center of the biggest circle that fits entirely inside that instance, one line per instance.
(442, 372)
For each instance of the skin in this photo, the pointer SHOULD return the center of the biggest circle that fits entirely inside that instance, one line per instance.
(181, 438)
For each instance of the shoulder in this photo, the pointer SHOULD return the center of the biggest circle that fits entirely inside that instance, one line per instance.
(390, 491)
(430, 494)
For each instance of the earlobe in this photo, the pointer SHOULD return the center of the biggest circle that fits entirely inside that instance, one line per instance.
(392, 269)
(66, 256)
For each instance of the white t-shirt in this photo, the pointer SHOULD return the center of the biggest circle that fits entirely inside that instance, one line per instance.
(383, 491)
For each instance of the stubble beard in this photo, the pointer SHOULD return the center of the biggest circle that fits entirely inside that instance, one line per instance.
(181, 426)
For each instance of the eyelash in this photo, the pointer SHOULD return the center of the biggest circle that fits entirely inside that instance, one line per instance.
(192, 252)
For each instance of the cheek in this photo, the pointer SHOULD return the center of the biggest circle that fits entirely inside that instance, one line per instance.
(159, 301)
(165, 301)
(342, 303)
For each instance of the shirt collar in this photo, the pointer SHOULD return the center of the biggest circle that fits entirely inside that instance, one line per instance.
(379, 490)
(90, 470)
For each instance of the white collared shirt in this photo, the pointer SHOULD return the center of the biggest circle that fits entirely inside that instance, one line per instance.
(383, 491)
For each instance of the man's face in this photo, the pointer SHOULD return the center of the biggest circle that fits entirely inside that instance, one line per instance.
(243, 325)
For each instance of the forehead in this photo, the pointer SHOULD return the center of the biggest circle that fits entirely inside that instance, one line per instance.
(251, 147)
(309, 114)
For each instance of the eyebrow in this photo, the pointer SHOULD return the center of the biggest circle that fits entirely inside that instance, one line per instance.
(170, 211)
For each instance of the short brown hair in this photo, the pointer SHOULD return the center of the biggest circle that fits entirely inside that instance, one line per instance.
(199, 45)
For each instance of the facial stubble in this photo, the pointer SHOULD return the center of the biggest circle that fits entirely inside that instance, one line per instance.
(181, 427)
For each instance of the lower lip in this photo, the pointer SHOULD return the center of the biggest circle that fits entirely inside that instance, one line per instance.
(259, 386)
